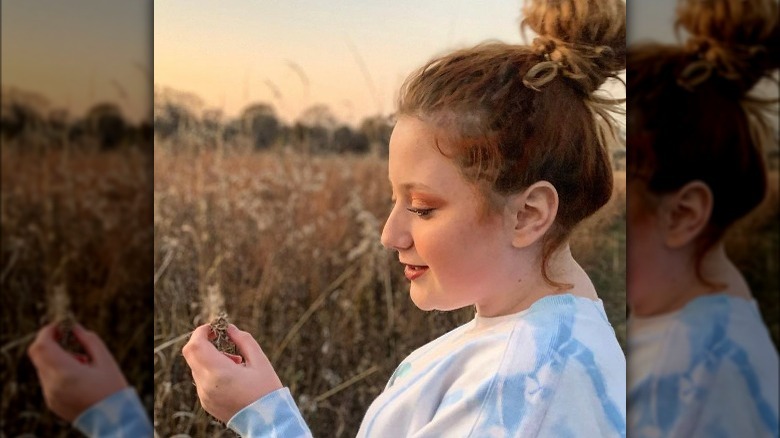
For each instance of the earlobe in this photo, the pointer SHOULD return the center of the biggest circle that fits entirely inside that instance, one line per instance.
(686, 213)
(533, 213)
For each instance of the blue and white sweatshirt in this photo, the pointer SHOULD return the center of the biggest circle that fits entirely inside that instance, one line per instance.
(707, 370)
(555, 369)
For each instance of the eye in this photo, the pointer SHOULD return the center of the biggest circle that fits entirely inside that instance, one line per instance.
(421, 212)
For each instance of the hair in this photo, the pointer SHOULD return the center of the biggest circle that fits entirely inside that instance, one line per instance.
(690, 116)
(512, 115)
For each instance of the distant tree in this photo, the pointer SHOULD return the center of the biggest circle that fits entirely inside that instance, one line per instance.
(347, 140)
(105, 122)
(231, 131)
(58, 123)
(260, 124)
(171, 119)
(212, 125)
(377, 130)
(318, 116)
(314, 129)
(18, 119)
(175, 112)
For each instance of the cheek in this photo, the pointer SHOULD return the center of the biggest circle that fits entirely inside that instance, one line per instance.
(459, 253)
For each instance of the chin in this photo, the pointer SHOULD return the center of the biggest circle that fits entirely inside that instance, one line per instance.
(421, 299)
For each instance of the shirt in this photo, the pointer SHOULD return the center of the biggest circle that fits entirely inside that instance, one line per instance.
(707, 370)
(555, 369)
(120, 415)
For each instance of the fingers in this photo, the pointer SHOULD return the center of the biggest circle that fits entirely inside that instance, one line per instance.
(234, 357)
(201, 333)
(246, 345)
(199, 352)
(95, 347)
(45, 352)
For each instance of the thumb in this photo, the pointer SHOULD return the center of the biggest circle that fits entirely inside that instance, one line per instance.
(246, 345)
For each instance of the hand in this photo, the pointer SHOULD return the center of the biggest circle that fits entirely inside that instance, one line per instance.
(225, 384)
(70, 383)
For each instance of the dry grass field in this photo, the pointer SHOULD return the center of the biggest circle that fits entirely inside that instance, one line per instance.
(75, 224)
(286, 244)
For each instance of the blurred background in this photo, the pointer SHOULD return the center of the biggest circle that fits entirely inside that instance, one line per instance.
(271, 127)
(753, 243)
(76, 205)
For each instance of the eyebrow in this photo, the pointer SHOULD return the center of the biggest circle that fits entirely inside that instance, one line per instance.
(408, 187)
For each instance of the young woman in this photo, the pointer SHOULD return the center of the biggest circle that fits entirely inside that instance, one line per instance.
(496, 156)
(498, 153)
(701, 362)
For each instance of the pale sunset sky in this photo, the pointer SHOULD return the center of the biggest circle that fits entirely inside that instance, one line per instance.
(78, 53)
(351, 55)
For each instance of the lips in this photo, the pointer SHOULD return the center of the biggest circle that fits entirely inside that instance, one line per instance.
(413, 272)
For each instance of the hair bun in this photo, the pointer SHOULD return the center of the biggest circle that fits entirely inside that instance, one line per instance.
(736, 39)
(585, 39)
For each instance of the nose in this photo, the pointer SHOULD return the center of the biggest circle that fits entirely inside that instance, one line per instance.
(395, 234)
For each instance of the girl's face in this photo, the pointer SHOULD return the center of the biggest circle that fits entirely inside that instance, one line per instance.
(453, 253)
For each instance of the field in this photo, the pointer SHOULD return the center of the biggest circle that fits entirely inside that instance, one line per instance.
(289, 246)
(75, 224)
(286, 244)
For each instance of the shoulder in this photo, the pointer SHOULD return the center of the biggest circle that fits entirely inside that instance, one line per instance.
(500, 375)
(562, 366)
(713, 367)
(716, 330)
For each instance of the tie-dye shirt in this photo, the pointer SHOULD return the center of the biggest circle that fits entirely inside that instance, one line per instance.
(555, 369)
(707, 370)
(120, 415)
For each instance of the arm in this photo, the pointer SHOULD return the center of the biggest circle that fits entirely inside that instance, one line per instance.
(247, 395)
(273, 415)
(118, 415)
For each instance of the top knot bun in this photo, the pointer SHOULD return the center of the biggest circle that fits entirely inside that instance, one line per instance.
(738, 39)
(586, 38)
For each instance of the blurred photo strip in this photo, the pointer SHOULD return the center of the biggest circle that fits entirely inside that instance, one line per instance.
(702, 218)
(76, 253)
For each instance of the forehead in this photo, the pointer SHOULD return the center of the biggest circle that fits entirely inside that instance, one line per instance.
(415, 157)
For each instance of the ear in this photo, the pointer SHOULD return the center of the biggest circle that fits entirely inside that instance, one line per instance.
(531, 213)
(685, 213)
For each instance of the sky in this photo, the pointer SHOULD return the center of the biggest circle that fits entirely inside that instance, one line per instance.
(351, 55)
(78, 53)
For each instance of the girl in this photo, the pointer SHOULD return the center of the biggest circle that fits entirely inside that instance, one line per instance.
(701, 362)
(496, 156)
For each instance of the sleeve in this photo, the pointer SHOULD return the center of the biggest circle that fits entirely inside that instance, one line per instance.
(118, 415)
(274, 415)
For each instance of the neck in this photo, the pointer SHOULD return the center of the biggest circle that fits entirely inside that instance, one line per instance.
(682, 285)
(531, 285)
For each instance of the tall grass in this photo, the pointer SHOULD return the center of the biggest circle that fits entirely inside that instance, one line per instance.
(286, 244)
(76, 237)
(292, 243)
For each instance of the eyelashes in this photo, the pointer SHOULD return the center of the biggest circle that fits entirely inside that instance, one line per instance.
(421, 212)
